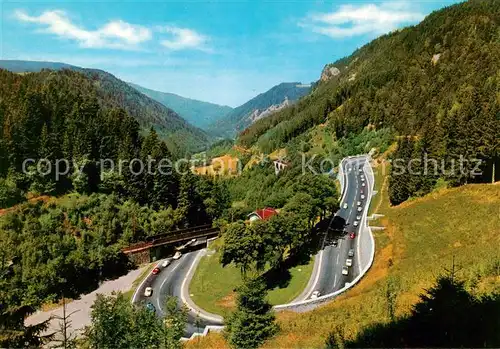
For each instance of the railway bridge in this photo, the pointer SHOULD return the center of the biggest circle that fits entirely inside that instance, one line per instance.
(150, 250)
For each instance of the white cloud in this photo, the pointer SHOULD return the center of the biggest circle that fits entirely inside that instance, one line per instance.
(352, 20)
(183, 38)
(115, 34)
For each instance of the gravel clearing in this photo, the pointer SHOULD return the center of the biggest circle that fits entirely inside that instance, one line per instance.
(81, 318)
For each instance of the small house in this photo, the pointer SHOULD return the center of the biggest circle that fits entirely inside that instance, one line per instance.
(262, 214)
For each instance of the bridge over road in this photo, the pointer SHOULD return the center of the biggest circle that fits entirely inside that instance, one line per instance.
(141, 252)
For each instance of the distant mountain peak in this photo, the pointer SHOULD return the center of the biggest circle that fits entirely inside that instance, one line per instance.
(263, 104)
(199, 113)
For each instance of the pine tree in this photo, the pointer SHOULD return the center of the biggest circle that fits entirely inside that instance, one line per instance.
(253, 321)
(399, 178)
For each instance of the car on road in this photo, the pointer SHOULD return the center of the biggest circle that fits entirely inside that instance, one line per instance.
(148, 291)
(360, 209)
(359, 203)
(351, 253)
(362, 179)
(348, 262)
(150, 307)
(165, 263)
(177, 255)
(356, 223)
(362, 196)
(346, 206)
(315, 294)
(363, 184)
(345, 271)
(358, 218)
(360, 169)
(352, 235)
(156, 271)
(335, 243)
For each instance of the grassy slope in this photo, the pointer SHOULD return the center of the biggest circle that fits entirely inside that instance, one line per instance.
(421, 240)
(212, 286)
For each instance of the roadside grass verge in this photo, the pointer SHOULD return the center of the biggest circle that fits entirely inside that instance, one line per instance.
(212, 287)
(379, 169)
(423, 237)
(147, 269)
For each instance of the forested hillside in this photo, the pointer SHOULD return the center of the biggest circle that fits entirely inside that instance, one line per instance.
(180, 136)
(240, 117)
(58, 116)
(436, 85)
(18, 66)
(197, 113)
(61, 247)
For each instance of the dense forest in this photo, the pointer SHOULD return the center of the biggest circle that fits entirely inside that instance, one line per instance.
(436, 84)
(58, 115)
(180, 136)
(68, 237)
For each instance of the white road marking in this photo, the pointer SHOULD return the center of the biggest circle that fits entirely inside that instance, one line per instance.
(335, 281)
(184, 292)
(163, 283)
(316, 279)
(142, 283)
(338, 256)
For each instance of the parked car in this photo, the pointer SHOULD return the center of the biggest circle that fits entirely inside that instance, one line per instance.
(363, 184)
(362, 196)
(345, 271)
(165, 263)
(352, 235)
(359, 203)
(348, 262)
(360, 208)
(358, 218)
(150, 307)
(156, 271)
(345, 206)
(177, 255)
(351, 253)
(148, 291)
(356, 223)
(315, 294)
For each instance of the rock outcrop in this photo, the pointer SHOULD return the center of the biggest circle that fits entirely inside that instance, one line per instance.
(259, 114)
(329, 71)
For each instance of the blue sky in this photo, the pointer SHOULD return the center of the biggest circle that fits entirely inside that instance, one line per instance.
(223, 52)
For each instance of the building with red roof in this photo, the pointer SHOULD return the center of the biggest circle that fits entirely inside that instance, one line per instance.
(263, 214)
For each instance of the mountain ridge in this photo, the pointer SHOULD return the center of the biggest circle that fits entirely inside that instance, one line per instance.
(241, 117)
(180, 136)
(198, 113)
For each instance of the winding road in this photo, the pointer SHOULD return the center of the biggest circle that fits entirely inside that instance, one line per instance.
(337, 243)
(327, 276)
